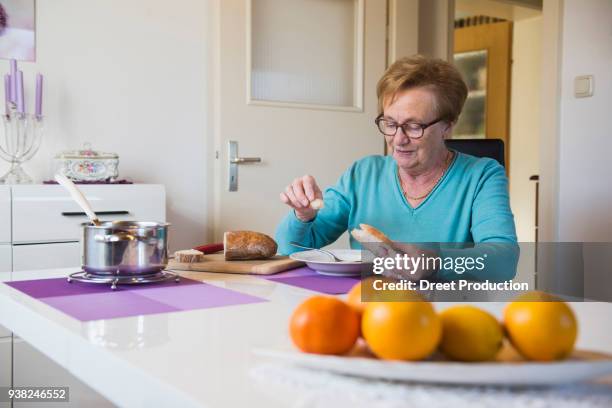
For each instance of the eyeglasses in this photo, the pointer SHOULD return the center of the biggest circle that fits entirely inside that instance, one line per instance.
(412, 130)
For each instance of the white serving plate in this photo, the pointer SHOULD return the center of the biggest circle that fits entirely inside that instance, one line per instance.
(351, 264)
(582, 366)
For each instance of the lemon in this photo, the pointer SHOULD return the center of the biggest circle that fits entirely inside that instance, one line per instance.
(470, 334)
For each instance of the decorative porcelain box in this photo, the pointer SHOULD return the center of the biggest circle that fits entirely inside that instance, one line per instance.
(87, 164)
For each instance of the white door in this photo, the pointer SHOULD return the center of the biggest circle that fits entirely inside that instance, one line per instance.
(294, 84)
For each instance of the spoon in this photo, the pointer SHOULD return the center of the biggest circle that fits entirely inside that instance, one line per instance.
(78, 196)
(336, 259)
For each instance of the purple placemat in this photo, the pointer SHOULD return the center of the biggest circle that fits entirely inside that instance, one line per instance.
(307, 278)
(86, 301)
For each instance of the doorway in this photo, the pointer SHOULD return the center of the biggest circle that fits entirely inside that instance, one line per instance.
(500, 44)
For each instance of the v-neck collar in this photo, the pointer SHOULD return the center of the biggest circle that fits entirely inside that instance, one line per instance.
(438, 185)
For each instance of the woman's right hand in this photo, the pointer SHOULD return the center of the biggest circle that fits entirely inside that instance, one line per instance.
(299, 194)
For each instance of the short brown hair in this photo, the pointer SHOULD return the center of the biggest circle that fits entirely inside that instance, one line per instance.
(418, 71)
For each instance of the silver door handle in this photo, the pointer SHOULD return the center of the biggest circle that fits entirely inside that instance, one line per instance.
(240, 160)
(234, 161)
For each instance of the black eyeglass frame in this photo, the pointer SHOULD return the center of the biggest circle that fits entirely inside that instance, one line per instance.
(423, 126)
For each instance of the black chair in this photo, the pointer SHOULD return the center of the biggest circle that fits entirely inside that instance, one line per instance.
(493, 148)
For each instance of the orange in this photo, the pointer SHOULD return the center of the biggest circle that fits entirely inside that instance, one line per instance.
(355, 295)
(540, 326)
(408, 330)
(324, 325)
(370, 289)
(353, 298)
(470, 334)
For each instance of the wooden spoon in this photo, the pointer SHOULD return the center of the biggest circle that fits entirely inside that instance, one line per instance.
(78, 196)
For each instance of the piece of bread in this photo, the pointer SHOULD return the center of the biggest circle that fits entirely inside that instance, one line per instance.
(374, 240)
(246, 245)
(189, 256)
(317, 204)
(376, 233)
(368, 233)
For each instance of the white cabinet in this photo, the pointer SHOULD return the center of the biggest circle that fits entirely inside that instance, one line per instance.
(40, 228)
(32, 368)
(46, 213)
(43, 224)
(5, 258)
(4, 332)
(5, 214)
(47, 256)
(5, 365)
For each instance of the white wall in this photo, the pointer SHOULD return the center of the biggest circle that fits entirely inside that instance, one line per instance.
(585, 130)
(129, 77)
(436, 28)
(500, 9)
(525, 123)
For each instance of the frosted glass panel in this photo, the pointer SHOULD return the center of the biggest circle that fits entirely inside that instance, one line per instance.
(472, 121)
(304, 51)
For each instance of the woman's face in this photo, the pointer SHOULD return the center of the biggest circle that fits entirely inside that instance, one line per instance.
(415, 105)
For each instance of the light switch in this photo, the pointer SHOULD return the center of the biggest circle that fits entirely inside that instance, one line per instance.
(583, 86)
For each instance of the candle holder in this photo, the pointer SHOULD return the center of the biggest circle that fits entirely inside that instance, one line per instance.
(21, 141)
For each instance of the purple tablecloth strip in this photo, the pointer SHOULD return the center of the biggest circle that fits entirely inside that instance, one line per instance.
(46, 288)
(85, 301)
(98, 306)
(307, 278)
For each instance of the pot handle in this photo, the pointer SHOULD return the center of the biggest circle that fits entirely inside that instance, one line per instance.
(117, 237)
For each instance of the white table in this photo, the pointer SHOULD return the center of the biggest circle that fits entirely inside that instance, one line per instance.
(196, 358)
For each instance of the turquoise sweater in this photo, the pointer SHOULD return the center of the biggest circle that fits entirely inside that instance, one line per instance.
(469, 204)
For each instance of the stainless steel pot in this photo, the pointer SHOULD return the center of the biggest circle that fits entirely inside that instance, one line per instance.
(125, 247)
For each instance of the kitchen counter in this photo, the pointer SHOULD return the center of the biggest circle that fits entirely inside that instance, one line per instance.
(195, 358)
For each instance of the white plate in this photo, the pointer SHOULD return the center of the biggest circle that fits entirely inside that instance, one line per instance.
(581, 367)
(350, 266)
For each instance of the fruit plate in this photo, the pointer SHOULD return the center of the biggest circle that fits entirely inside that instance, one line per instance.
(508, 370)
(351, 264)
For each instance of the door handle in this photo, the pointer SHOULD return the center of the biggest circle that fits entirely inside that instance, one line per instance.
(234, 161)
(239, 160)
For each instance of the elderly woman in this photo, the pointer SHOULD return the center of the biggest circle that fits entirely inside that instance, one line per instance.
(421, 191)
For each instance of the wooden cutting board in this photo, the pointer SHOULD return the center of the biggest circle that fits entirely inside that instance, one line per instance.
(217, 263)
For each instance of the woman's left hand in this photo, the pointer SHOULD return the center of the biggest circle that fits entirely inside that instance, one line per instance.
(411, 251)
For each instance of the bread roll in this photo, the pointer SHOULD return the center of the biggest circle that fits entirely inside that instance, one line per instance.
(317, 204)
(376, 233)
(245, 245)
(368, 235)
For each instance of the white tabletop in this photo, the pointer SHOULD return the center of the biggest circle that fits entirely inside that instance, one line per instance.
(201, 357)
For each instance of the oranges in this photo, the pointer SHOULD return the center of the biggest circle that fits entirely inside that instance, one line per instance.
(401, 330)
(541, 327)
(324, 325)
(353, 298)
(470, 334)
(371, 289)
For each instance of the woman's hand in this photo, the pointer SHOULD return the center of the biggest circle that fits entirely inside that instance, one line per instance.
(299, 194)
(421, 271)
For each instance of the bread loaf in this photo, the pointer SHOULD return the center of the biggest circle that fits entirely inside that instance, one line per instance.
(245, 245)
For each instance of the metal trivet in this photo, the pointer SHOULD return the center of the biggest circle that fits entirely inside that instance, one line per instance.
(115, 280)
